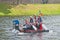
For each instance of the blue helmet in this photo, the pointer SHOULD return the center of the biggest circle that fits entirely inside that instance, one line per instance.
(16, 21)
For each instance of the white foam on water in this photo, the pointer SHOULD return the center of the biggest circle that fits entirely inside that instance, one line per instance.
(21, 33)
(50, 31)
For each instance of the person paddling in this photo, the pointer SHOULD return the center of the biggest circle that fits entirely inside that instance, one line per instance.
(31, 19)
(36, 24)
(34, 19)
(34, 16)
(39, 19)
(32, 22)
(40, 22)
(16, 24)
(27, 25)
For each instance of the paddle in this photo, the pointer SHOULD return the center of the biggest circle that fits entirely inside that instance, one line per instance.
(34, 27)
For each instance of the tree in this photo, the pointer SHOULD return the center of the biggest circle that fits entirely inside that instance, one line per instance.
(19, 1)
(45, 1)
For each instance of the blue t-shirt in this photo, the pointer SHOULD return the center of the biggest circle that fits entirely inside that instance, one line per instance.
(40, 20)
(15, 22)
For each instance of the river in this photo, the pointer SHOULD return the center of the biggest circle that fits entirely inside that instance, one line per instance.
(51, 22)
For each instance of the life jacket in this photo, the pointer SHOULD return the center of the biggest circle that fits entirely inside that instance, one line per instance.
(40, 27)
(31, 20)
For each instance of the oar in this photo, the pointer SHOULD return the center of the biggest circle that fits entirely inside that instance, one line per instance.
(34, 27)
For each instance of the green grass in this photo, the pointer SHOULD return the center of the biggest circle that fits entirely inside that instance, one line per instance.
(29, 9)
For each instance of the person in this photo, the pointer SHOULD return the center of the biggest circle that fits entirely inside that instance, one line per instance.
(34, 19)
(36, 24)
(39, 19)
(40, 22)
(16, 24)
(27, 25)
(21, 28)
(31, 19)
(34, 16)
(33, 22)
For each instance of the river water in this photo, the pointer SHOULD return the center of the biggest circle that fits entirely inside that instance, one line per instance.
(51, 22)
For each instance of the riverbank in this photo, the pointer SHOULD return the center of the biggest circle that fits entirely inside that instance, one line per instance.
(29, 9)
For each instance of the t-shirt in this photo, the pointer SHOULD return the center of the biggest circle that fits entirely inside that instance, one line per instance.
(15, 21)
(27, 25)
(39, 20)
(31, 20)
(21, 28)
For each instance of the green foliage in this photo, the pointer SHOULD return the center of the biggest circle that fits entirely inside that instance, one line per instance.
(30, 9)
(4, 9)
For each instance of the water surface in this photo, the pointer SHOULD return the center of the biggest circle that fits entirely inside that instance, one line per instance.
(51, 22)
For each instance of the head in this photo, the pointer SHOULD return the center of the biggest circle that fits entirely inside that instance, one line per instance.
(30, 16)
(26, 21)
(41, 14)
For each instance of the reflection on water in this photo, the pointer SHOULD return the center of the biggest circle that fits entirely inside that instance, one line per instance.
(51, 22)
